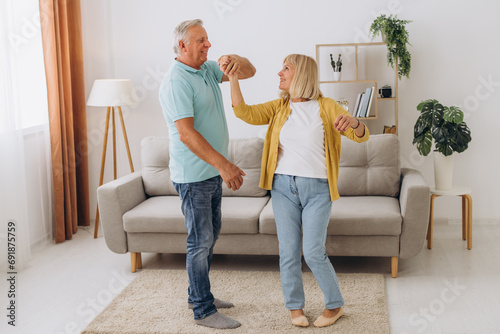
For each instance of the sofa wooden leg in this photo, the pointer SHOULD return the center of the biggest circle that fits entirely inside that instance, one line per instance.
(394, 267)
(139, 261)
(133, 262)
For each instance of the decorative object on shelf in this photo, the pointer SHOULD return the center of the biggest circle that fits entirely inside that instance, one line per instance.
(385, 91)
(111, 93)
(344, 103)
(337, 67)
(389, 129)
(445, 127)
(396, 37)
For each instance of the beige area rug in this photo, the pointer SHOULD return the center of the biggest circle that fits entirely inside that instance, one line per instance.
(156, 302)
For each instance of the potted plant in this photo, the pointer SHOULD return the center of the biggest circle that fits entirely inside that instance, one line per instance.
(443, 126)
(337, 67)
(394, 33)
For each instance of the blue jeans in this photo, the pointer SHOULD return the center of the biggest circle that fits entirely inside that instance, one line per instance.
(201, 207)
(302, 203)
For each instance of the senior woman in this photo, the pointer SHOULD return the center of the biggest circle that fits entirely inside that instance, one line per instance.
(300, 164)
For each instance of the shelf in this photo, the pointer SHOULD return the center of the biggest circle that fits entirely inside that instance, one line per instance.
(354, 72)
(352, 44)
(348, 81)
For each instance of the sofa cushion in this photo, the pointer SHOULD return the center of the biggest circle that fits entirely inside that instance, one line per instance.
(246, 153)
(380, 215)
(240, 215)
(365, 215)
(155, 171)
(162, 214)
(370, 168)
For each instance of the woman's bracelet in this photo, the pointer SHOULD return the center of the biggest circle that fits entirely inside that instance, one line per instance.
(357, 126)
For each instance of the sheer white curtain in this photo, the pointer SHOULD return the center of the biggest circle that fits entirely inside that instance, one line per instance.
(25, 188)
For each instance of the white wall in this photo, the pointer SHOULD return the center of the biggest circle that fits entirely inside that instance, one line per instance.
(454, 56)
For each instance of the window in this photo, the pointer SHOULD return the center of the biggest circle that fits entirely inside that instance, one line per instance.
(23, 91)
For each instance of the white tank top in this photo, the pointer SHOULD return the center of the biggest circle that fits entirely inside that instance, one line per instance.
(301, 149)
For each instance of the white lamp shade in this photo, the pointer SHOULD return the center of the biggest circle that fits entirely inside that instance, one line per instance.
(111, 93)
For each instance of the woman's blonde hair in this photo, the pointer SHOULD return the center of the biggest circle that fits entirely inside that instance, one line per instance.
(305, 81)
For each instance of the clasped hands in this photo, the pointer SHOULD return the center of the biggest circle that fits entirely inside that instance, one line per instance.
(229, 65)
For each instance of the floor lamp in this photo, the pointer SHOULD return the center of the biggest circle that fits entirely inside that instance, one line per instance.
(111, 93)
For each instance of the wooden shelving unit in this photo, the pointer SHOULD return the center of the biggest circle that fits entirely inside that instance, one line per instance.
(357, 80)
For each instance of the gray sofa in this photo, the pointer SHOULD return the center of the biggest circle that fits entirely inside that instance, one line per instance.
(383, 210)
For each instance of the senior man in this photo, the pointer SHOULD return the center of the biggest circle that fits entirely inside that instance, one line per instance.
(192, 104)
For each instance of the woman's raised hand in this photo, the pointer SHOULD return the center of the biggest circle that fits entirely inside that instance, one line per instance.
(229, 65)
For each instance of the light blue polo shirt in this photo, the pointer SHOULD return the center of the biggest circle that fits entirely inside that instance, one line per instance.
(188, 92)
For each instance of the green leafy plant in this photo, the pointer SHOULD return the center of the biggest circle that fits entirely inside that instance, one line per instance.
(442, 124)
(338, 64)
(396, 36)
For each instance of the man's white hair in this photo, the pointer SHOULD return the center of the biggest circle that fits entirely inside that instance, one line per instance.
(180, 33)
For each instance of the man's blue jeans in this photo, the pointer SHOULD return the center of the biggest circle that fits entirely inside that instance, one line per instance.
(201, 207)
(302, 209)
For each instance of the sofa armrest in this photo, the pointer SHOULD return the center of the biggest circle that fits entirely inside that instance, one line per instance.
(414, 201)
(114, 199)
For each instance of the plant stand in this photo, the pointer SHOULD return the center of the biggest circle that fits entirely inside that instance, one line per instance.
(464, 192)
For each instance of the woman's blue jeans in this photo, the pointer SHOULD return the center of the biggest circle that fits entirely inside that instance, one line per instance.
(201, 207)
(302, 203)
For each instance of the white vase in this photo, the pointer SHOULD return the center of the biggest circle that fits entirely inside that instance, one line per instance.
(336, 76)
(382, 35)
(443, 171)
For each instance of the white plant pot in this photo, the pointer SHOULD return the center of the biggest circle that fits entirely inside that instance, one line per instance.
(443, 171)
(336, 76)
(382, 35)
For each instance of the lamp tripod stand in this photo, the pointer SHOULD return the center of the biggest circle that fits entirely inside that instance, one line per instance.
(111, 110)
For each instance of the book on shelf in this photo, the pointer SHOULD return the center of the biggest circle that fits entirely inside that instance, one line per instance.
(372, 92)
(365, 107)
(356, 105)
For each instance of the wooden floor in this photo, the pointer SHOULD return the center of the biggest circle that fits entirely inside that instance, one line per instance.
(448, 289)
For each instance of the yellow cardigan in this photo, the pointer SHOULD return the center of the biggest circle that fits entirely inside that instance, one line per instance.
(275, 113)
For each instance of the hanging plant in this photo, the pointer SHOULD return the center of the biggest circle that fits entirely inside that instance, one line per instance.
(396, 36)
